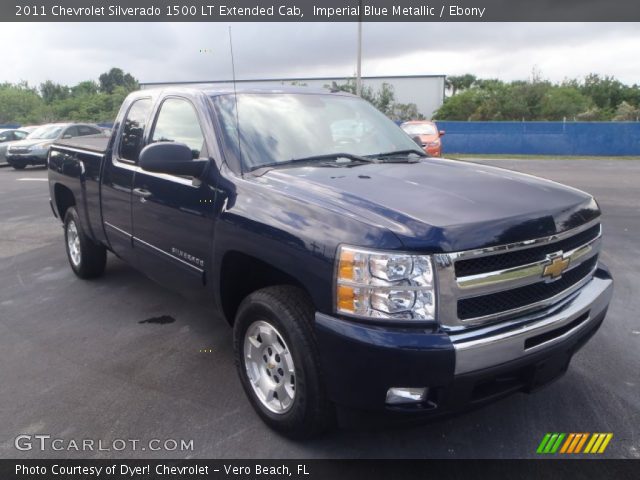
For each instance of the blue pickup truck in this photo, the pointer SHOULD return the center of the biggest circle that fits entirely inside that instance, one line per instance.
(355, 271)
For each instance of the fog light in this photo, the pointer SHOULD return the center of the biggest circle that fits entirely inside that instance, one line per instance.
(397, 395)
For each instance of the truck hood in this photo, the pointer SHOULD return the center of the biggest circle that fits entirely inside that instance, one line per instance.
(441, 205)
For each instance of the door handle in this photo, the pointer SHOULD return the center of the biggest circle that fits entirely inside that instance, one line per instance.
(142, 193)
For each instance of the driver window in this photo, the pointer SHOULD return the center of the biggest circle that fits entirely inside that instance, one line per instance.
(178, 122)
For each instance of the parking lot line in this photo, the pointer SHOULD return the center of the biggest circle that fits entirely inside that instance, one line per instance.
(32, 179)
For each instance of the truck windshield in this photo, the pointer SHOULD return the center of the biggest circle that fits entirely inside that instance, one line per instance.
(278, 127)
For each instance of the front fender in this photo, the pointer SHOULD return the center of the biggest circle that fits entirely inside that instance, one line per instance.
(298, 237)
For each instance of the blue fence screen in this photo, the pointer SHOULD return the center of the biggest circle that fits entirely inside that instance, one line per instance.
(542, 138)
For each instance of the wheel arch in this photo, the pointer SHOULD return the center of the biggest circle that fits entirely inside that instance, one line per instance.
(242, 273)
(63, 199)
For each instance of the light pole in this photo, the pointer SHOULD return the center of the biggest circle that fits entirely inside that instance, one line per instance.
(359, 61)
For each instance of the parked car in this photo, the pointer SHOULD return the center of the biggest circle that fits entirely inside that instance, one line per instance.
(428, 135)
(34, 149)
(29, 128)
(6, 137)
(355, 271)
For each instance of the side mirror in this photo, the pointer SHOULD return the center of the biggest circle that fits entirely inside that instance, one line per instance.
(172, 158)
(66, 136)
(441, 133)
(418, 140)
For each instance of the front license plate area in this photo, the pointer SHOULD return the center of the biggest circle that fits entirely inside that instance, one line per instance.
(548, 370)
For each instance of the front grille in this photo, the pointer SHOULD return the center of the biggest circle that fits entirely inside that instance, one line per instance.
(520, 297)
(19, 150)
(473, 266)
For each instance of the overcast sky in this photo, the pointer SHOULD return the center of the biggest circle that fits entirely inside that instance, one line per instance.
(156, 52)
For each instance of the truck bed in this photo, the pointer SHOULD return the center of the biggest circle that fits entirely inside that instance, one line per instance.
(92, 143)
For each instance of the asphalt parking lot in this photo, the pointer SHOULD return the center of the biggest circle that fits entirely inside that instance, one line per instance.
(78, 361)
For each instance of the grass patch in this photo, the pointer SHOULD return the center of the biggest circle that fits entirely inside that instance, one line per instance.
(480, 156)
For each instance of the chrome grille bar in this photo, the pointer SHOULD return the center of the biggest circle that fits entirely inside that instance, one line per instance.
(452, 288)
(484, 283)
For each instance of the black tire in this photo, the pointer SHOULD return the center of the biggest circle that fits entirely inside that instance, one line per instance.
(92, 258)
(290, 311)
(19, 166)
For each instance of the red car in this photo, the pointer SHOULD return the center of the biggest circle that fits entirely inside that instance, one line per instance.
(428, 134)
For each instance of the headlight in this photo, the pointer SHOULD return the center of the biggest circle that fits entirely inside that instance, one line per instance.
(384, 285)
(435, 143)
(42, 146)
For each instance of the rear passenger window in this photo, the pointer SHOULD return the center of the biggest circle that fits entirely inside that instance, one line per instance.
(84, 130)
(70, 132)
(178, 122)
(133, 130)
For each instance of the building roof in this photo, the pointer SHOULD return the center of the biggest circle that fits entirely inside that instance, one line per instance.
(289, 79)
(228, 89)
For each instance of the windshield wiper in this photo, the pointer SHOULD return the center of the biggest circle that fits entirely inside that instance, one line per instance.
(399, 156)
(314, 158)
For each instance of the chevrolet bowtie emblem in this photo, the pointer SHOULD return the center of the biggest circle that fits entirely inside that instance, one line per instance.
(555, 267)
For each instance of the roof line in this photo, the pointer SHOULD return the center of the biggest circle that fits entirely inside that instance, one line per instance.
(292, 79)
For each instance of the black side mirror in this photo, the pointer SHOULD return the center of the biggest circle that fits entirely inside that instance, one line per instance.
(172, 158)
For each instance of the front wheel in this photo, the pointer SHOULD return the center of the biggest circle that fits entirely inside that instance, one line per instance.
(87, 259)
(19, 166)
(278, 361)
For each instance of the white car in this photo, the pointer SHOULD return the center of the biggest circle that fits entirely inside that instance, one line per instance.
(6, 137)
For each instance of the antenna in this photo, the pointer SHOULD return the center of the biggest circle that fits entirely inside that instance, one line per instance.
(235, 98)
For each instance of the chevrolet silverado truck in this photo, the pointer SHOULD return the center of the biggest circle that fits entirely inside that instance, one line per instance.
(355, 271)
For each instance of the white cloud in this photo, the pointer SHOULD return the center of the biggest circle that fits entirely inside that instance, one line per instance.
(72, 52)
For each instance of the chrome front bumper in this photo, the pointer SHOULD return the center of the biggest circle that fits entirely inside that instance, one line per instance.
(515, 339)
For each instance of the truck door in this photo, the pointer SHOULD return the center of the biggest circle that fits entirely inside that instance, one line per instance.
(173, 215)
(117, 180)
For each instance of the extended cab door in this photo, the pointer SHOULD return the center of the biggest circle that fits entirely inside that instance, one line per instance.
(117, 179)
(173, 215)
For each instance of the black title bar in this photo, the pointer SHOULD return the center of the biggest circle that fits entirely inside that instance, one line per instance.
(319, 11)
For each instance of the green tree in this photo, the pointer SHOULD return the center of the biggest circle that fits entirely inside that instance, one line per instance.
(593, 114)
(117, 78)
(458, 83)
(385, 99)
(20, 103)
(460, 107)
(563, 102)
(51, 92)
(606, 92)
(88, 87)
(626, 113)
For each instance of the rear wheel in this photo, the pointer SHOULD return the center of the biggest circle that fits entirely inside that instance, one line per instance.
(278, 361)
(87, 259)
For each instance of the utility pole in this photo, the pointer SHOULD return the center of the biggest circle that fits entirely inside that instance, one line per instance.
(359, 61)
